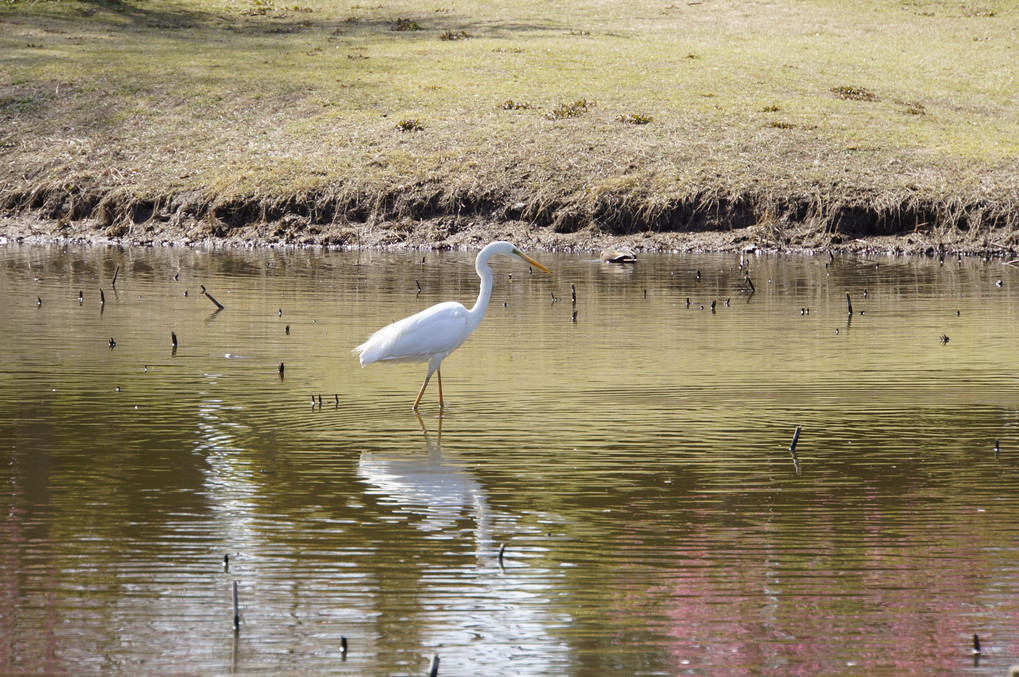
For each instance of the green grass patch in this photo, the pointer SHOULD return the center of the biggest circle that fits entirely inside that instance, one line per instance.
(636, 119)
(404, 25)
(510, 104)
(574, 109)
(450, 36)
(410, 125)
(853, 93)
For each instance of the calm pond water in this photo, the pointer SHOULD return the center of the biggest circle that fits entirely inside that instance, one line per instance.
(634, 463)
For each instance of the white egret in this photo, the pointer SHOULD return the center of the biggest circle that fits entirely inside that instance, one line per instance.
(434, 333)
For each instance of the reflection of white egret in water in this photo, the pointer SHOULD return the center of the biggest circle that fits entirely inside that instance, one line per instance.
(229, 486)
(426, 485)
(479, 614)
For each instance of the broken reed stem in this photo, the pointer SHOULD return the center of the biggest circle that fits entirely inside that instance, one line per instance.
(792, 450)
(102, 298)
(209, 296)
(237, 613)
(115, 274)
(433, 669)
(849, 302)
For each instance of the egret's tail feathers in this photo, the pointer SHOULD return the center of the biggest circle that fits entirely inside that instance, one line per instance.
(363, 353)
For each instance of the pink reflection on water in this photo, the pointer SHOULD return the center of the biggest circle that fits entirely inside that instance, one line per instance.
(825, 598)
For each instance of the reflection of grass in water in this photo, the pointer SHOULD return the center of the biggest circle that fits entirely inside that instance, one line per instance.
(277, 101)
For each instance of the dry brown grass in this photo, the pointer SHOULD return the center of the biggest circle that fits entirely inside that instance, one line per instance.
(331, 122)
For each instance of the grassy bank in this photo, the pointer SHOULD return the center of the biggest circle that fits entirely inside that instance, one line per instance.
(792, 122)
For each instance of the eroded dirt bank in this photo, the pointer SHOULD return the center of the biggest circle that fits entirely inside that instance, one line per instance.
(414, 222)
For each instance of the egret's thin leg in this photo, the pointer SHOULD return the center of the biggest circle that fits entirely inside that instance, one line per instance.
(438, 373)
(421, 392)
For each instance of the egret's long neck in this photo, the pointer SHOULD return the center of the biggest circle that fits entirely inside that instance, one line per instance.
(484, 294)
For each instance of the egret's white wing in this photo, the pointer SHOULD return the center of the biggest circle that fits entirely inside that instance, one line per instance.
(438, 330)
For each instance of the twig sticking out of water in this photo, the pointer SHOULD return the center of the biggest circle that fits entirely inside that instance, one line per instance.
(573, 290)
(433, 669)
(39, 304)
(81, 297)
(502, 551)
(419, 286)
(226, 562)
(237, 612)
(115, 274)
(287, 330)
(173, 339)
(343, 645)
(282, 368)
(792, 450)
(102, 298)
(209, 296)
(976, 645)
(574, 316)
(849, 302)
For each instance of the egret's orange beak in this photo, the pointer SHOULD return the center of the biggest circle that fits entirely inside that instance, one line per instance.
(534, 263)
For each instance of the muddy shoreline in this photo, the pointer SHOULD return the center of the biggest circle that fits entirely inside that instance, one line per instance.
(467, 234)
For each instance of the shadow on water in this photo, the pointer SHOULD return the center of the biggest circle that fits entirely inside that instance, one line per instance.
(634, 461)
